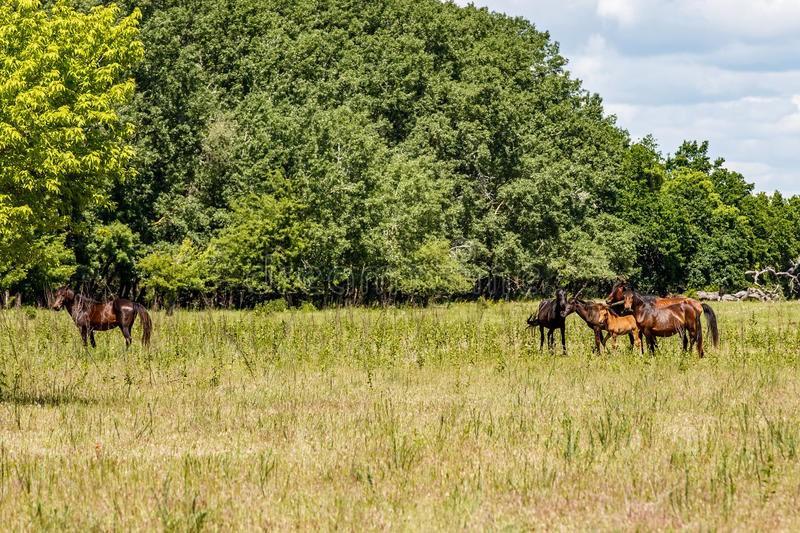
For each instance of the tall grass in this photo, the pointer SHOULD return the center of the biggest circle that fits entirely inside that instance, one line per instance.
(437, 418)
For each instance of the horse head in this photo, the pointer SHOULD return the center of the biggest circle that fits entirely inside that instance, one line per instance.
(561, 298)
(629, 298)
(617, 291)
(569, 307)
(64, 296)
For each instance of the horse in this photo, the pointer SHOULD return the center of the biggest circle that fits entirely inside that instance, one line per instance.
(599, 317)
(616, 297)
(90, 316)
(550, 316)
(653, 321)
(619, 325)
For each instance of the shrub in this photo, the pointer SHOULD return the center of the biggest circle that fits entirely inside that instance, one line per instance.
(271, 306)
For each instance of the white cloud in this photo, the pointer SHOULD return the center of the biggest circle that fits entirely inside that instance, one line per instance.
(742, 131)
(622, 11)
(723, 70)
(751, 18)
(672, 77)
(791, 122)
(762, 19)
(767, 178)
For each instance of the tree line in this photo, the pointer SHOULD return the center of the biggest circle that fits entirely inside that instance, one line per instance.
(347, 151)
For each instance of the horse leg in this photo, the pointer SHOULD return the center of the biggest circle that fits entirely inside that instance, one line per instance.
(692, 337)
(603, 339)
(599, 344)
(563, 340)
(85, 336)
(699, 335)
(651, 343)
(551, 339)
(541, 338)
(126, 332)
(613, 338)
(91, 338)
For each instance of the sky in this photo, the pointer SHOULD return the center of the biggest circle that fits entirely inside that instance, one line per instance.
(726, 71)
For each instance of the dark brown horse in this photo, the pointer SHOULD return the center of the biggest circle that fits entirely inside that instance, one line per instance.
(653, 321)
(91, 316)
(599, 317)
(549, 315)
(617, 295)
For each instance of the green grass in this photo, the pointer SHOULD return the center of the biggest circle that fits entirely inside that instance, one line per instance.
(404, 419)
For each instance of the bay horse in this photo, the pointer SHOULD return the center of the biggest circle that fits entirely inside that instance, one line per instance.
(599, 317)
(653, 321)
(620, 325)
(91, 316)
(616, 297)
(550, 316)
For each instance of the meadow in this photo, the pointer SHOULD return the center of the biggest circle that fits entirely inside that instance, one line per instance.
(396, 419)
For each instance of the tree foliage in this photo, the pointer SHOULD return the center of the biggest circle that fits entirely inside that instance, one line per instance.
(64, 75)
(353, 151)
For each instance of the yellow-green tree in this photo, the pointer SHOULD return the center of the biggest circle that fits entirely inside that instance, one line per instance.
(64, 76)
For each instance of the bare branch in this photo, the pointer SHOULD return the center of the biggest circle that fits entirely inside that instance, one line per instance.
(792, 274)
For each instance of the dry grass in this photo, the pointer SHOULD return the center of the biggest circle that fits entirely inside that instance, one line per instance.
(443, 418)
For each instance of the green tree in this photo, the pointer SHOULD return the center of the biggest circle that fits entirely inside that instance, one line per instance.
(263, 248)
(358, 150)
(171, 272)
(113, 250)
(506, 149)
(64, 76)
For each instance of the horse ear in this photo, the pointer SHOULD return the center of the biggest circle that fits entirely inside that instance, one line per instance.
(577, 294)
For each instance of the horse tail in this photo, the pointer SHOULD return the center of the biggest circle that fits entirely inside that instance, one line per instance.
(532, 322)
(147, 324)
(711, 318)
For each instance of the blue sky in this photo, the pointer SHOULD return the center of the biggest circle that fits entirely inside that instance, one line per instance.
(723, 70)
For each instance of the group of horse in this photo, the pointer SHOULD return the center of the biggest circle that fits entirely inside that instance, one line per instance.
(640, 317)
(627, 311)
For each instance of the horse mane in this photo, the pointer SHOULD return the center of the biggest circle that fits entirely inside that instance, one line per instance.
(81, 302)
(648, 298)
(587, 303)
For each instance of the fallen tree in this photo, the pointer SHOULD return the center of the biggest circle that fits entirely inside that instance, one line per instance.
(758, 294)
(760, 291)
(792, 274)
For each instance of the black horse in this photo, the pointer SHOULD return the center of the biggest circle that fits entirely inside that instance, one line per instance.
(90, 316)
(549, 315)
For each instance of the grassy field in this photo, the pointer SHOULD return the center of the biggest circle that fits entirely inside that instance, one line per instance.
(401, 419)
